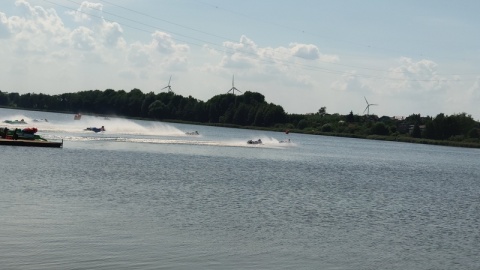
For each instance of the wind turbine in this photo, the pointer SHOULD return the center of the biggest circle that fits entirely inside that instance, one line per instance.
(368, 106)
(233, 89)
(168, 86)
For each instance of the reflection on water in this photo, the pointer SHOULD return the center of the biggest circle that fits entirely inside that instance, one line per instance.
(155, 198)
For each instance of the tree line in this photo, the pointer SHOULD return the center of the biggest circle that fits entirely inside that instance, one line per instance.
(249, 109)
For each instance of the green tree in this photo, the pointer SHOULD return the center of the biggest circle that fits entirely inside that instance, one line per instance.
(147, 101)
(379, 129)
(241, 115)
(322, 111)
(416, 133)
(158, 110)
(302, 124)
(3, 99)
(327, 128)
(474, 133)
(350, 118)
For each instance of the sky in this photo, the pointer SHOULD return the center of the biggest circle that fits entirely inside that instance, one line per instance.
(407, 57)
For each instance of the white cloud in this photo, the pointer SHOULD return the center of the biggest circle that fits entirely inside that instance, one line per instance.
(474, 90)
(93, 49)
(36, 31)
(88, 12)
(306, 51)
(240, 55)
(38, 20)
(411, 76)
(348, 82)
(90, 15)
(83, 39)
(246, 53)
(83, 50)
(164, 44)
(139, 55)
(162, 53)
(112, 34)
(271, 63)
(311, 52)
(5, 31)
(465, 95)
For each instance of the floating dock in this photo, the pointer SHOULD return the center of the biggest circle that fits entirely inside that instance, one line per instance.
(32, 143)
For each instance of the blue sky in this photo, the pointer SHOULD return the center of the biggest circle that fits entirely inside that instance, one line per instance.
(406, 56)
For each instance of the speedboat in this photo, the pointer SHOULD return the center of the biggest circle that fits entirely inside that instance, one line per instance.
(77, 116)
(22, 134)
(14, 134)
(285, 141)
(25, 137)
(95, 129)
(40, 120)
(259, 141)
(192, 133)
(15, 122)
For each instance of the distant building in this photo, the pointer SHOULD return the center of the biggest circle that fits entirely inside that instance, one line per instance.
(411, 127)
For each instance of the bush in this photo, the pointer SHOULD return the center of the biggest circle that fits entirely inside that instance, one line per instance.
(474, 133)
(457, 138)
(302, 124)
(379, 129)
(327, 128)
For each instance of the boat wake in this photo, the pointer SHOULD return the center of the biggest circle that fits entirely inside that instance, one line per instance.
(170, 140)
(129, 131)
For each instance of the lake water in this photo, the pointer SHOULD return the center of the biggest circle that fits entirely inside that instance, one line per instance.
(143, 195)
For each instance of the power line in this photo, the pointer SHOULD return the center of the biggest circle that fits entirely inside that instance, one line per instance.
(270, 59)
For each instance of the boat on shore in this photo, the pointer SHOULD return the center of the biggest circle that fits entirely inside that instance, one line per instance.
(26, 137)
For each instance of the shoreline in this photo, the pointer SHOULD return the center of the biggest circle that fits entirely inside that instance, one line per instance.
(405, 139)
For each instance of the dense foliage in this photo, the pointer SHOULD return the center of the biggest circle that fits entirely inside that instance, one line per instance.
(249, 110)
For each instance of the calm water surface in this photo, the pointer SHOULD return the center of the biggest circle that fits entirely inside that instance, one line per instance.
(143, 195)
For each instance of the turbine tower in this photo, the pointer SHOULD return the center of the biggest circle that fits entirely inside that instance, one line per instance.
(233, 89)
(368, 106)
(168, 86)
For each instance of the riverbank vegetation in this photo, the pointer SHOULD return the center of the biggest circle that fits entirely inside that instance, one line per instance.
(251, 110)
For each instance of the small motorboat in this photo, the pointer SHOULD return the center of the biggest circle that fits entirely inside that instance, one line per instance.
(192, 133)
(30, 130)
(22, 134)
(77, 116)
(285, 141)
(40, 120)
(259, 141)
(15, 122)
(95, 129)
(25, 137)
